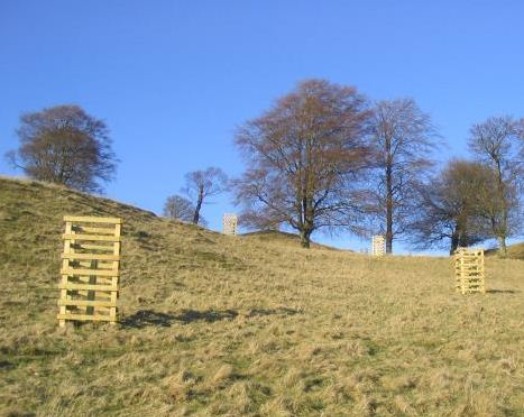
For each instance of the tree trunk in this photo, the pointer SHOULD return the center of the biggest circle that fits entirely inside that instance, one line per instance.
(389, 207)
(305, 239)
(454, 242)
(306, 224)
(389, 227)
(198, 206)
(503, 250)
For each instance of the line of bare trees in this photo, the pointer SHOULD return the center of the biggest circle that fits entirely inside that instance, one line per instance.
(470, 201)
(323, 157)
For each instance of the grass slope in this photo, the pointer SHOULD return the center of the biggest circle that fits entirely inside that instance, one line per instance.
(228, 326)
(274, 237)
(516, 251)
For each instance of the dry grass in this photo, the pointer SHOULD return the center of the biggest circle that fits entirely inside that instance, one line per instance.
(516, 251)
(230, 326)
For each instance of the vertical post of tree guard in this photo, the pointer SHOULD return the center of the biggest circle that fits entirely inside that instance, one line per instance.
(90, 269)
(469, 270)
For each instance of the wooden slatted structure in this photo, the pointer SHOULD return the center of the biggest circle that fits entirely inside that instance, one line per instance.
(229, 224)
(378, 245)
(469, 270)
(90, 269)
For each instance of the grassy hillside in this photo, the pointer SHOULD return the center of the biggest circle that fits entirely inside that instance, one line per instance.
(275, 237)
(231, 326)
(516, 251)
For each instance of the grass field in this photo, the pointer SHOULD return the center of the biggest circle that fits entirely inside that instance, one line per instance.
(249, 326)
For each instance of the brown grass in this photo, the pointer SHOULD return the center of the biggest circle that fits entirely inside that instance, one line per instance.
(232, 326)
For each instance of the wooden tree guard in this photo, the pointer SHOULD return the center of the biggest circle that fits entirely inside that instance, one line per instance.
(229, 224)
(378, 245)
(90, 269)
(469, 270)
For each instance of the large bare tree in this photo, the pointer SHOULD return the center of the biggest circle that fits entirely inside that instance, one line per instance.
(498, 143)
(452, 206)
(304, 157)
(202, 184)
(403, 139)
(65, 145)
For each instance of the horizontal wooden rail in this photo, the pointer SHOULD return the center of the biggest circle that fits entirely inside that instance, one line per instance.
(87, 246)
(92, 219)
(85, 317)
(90, 272)
(92, 238)
(91, 256)
(86, 303)
(87, 287)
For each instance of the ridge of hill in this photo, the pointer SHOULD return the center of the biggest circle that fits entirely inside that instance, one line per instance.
(233, 326)
(283, 238)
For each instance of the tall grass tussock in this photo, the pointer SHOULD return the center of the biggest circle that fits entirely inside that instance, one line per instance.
(215, 325)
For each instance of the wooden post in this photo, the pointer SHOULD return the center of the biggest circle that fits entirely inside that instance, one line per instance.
(114, 279)
(65, 265)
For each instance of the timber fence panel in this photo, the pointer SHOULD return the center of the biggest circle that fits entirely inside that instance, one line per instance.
(378, 245)
(229, 224)
(469, 270)
(90, 269)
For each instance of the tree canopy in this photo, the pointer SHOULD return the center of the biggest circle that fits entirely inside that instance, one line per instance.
(304, 158)
(202, 184)
(179, 208)
(403, 139)
(498, 143)
(65, 145)
(452, 206)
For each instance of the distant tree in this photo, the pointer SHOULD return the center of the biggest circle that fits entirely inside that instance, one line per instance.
(202, 184)
(497, 142)
(403, 139)
(452, 206)
(65, 145)
(180, 208)
(304, 158)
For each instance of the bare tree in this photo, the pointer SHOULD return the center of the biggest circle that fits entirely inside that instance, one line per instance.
(65, 145)
(452, 206)
(202, 184)
(304, 158)
(403, 139)
(180, 208)
(497, 142)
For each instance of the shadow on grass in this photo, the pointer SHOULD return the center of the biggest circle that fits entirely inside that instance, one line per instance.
(495, 291)
(6, 365)
(284, 311)
(145, 318)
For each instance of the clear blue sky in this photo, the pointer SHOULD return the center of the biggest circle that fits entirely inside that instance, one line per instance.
(174, 78)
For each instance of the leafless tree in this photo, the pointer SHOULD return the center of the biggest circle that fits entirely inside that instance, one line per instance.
(180, 208)
(304, 157)
(497, 142)
(403, 139)
(202, 184)
(452, 206)
(65, 145)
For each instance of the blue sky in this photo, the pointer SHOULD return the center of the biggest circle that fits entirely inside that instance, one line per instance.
(174, 78)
